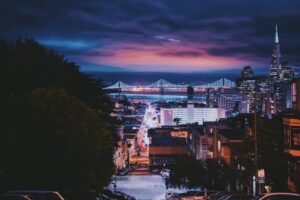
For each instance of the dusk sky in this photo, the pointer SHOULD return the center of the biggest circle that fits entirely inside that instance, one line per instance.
(158, 35)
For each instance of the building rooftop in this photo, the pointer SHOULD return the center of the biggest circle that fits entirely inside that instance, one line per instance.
(231, 134)
(128, 137)
(167, 141)
(131, 129)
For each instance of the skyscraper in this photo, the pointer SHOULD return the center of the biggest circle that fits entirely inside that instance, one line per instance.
(275, 66)
(287, 71)
(247, 72)
(247, 85)
(210, 97)
(281, 75)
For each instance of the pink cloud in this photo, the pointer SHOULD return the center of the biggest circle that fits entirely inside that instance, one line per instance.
(164, 57)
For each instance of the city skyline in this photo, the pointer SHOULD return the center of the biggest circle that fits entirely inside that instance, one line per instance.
(158, 36)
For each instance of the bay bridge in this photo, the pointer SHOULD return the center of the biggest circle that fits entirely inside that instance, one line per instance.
(163, 86)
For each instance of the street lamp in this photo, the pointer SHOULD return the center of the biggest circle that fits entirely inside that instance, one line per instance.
(115, 183)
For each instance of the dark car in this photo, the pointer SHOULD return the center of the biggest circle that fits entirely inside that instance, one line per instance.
(236, 197)
(125, 195)
(280, 196)
(215, 196)
(14, 197)
(38, 194)
(169, 195)
(80, 196)
(108, 194)
(122, 173)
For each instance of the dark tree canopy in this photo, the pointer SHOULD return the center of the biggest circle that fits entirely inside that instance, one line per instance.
(57, 132)
(188, 172)
(271, 155)
(27, 65)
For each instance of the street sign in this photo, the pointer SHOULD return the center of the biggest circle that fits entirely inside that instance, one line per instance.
(261, 176)
(261, 180)
(261, 173)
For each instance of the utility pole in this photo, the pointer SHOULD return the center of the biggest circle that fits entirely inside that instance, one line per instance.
(255, 143)
(215, 143)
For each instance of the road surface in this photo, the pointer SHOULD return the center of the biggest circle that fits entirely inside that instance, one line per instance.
(144, 187)
(150, 120)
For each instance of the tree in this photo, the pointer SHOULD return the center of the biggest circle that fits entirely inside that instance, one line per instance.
(187, 172)
(219, 174)
(58, 143)
(271, 155)
(27, 65)
(57, 130)
(176, 121)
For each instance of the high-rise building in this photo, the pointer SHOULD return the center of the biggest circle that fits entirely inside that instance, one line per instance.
(190, 114)
(247, 85)
(210, 97)
(247, 72)
(256, 91)
(293, 96)
(233, 101)
(275, 66)
(281, 75)
(280, 91)
(287, 71)
(190, 92)
(268, 95)
(265, 96)
(265, 104)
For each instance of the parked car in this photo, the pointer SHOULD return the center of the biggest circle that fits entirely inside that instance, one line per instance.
(215, 196)
(236, 197)
(165, 173)
(38, 194)
(177, 196)
(135, 166)
(155, 171)
(109, 195)
(168, 195)
(14, 197)
(81, 196)
(125, 195)
(280, 196)
(190, 195)
(122, 173)
(194, 196)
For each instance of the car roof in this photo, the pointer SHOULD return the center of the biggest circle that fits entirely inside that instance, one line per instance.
(15, 196)
(35, 192)
(30, 191)
(280, 194)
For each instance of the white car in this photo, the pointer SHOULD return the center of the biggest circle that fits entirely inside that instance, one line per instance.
(165, 173)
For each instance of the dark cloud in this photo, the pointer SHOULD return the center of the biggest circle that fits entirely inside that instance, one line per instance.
(250, 51)
(100, 53)
(237, 29)
(182, 53)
